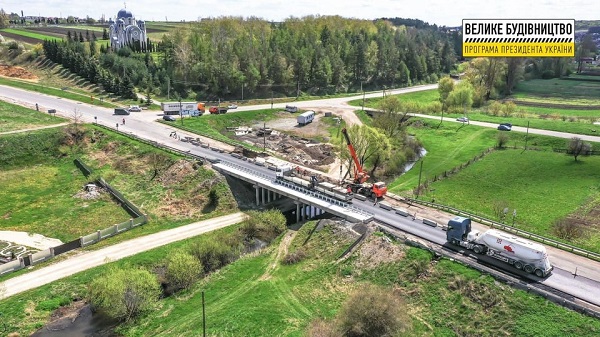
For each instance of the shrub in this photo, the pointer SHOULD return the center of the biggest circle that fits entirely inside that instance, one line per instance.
(269, 224)
(495, 108)
(373, 312)
(502, 139)
(182, 269)
(295, 257)
(125, 293)
(212, 254)
(567, 230)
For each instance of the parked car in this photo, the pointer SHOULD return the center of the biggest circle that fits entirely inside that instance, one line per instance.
(134, 108)
(232, 106)
(462, 119)
(503, 127)
(169, 118)
(507, 124)
(121, 111)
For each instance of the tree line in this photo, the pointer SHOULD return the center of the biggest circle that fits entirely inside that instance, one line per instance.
(318, 55)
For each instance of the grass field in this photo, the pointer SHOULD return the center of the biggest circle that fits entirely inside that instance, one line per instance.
(15, 117)
(215, 126)
(542, 186)
(259, 296)
(421, 97)
(40, 199)
(31, 34)
(35, 199)
(563, 91)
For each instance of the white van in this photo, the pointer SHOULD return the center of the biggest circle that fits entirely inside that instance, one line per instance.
(306, 117)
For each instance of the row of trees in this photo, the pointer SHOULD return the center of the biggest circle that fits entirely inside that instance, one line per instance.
(73, 57)
(222, 57)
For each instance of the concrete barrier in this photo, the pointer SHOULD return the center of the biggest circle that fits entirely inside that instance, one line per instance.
(401, 211)
(214, 148)
(236, 155)
(204, 145)
(359, 197)
(429, 222)
(385, 205)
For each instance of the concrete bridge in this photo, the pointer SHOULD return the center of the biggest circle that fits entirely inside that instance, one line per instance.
(308, 203)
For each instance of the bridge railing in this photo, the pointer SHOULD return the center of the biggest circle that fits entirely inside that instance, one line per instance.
(247, 170)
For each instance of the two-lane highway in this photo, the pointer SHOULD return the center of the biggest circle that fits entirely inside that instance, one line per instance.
(587, 288)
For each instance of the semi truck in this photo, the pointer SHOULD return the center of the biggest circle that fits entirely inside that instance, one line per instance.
(286, 173)
(518, 252)
(190, 108)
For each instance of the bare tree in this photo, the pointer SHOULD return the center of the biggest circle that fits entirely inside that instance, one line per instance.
(501, 140)
(578, 147)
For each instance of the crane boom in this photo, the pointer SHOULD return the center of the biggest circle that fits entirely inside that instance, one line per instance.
(360, 176)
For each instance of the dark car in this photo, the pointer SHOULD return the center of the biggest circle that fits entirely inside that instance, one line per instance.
(169, 118)
(121, 111)
(503, 127)
(507, 124)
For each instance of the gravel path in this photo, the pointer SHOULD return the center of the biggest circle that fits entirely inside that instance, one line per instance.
(116, 252)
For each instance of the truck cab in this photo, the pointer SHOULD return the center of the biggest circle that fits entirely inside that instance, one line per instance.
(282, 170)
(379, 189)
(458, 229)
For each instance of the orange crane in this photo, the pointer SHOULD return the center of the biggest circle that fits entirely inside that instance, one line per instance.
(359, 184)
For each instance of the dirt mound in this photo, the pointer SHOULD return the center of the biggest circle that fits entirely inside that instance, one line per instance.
(16, 72)
(176, 173)
(377, 250)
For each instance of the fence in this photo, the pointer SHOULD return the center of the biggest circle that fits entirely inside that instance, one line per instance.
(86, 240)
(510, 229)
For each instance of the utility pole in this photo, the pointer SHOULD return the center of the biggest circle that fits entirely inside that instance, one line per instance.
(363, 103)
(203, 317)
(243, 91)
(264, 136)
(419, 185)
(271, 99)
(169, 88)
(527, 134)
(298, 90)
(180, 112)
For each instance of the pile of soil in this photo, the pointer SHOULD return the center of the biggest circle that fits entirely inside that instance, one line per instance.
(176, 173)
(16, 72)
(377, 250)
(294, 149)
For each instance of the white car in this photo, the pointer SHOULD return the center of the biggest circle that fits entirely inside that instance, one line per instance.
(232, 106)
(134, 108)
(462, 119)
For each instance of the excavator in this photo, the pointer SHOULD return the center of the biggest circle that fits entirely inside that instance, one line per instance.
(359, 184)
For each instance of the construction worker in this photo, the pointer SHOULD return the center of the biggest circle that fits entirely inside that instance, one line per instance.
(123, 121)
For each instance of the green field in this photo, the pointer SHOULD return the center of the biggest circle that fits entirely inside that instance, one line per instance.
(30, 34)
(423, 97)
(259, 296)
(35, 199)
(215, 126)
(15, 117)
(542, 186)
(563, 91)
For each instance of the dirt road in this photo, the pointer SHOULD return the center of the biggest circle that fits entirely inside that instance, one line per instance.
(96, 258)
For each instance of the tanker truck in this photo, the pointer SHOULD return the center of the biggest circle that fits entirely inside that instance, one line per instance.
(520, 253)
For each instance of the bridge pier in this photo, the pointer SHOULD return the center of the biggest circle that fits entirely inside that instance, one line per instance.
(268, 195)
(297, 212)
(257, 200)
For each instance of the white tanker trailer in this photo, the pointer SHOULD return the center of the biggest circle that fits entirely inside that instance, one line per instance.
(520, 253)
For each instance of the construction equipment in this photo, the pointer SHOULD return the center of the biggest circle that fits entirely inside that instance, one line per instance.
(287, 173)
(359, 184)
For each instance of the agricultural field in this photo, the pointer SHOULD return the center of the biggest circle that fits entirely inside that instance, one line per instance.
(574, 90)
(260, 295)
(15, 117)
(26, 36)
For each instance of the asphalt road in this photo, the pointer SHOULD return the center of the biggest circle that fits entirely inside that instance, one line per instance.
(116, 252)
(586, 285)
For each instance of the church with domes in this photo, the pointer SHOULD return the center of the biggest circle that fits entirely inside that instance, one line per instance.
(127, 31)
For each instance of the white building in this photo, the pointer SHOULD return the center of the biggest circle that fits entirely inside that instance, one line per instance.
(127, 31)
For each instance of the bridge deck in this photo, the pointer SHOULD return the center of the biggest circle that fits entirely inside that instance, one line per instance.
(313, 198)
